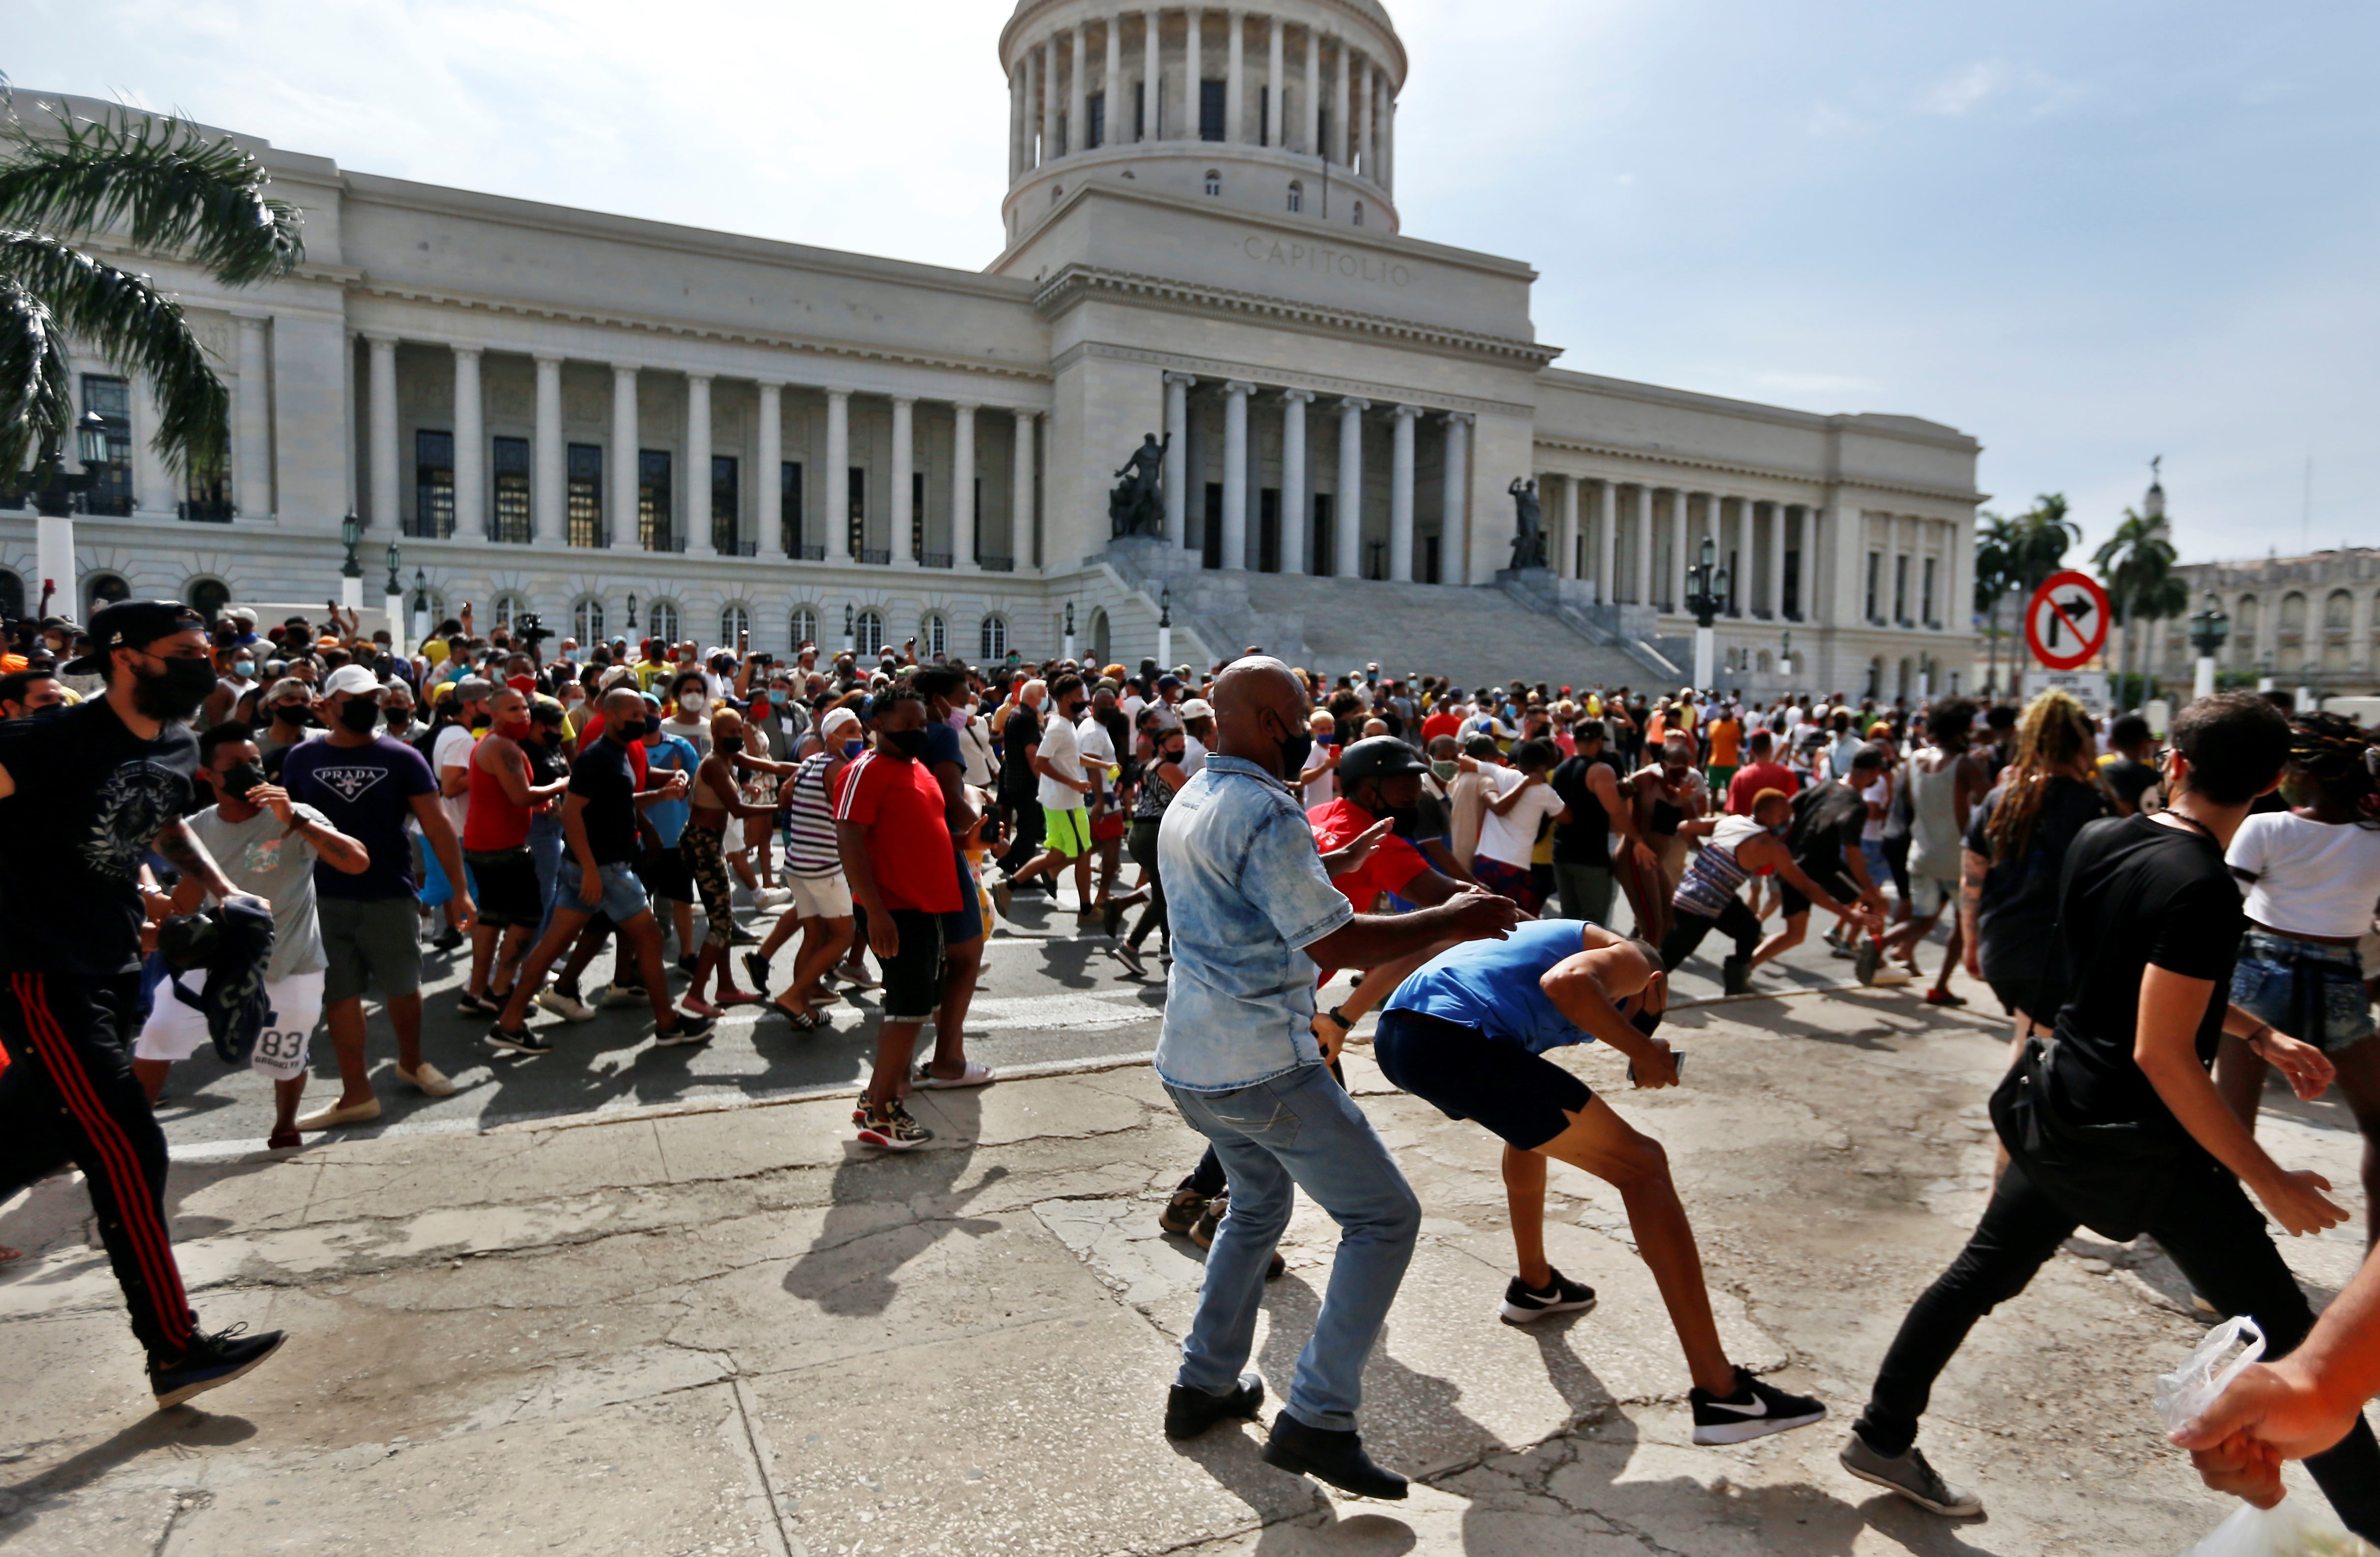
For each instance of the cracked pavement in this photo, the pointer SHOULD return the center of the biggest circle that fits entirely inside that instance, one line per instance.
(664, 1332)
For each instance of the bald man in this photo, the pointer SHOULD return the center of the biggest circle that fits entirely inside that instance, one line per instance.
(1255, 917)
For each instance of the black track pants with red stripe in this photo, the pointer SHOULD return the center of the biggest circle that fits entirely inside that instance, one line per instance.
(69, 1096)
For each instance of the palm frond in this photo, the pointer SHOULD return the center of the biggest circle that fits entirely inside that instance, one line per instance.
(162, 184)
(34, 404)
(128, 321)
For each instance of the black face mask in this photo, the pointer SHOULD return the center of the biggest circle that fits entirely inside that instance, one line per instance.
(359, 715)
(908, 743)
(482, 720)
(176, 692)
(239, 781)
(293, 713)
(729, 745)
(398, 718)
(630, 731)
(1174, 754)
(1293, 751)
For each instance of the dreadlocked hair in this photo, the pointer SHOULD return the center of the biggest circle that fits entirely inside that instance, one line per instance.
(2054, 736)
(2333, 751)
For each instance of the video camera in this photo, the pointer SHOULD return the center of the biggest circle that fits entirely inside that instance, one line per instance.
(530, 631)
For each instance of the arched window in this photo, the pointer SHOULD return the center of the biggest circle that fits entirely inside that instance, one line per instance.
(1296, 196)
(869, 636)
(1099, 636)
(994, 640)
(734, 624)
(12, 595)
(510, 608)
(803, 626)
(933, 636)
(1359, 213)
(2293, 612)
(661, 622)
(1214, 181)
(2339, 611)
(587, 622)
(1766, 662)
(205, 596)
(104, 589)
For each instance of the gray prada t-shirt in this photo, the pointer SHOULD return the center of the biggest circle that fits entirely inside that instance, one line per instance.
(260, 857)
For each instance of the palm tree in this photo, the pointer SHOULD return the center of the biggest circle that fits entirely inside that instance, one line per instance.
(2136, 563)
(1995, 540)
(2044, 535)
(157, 184)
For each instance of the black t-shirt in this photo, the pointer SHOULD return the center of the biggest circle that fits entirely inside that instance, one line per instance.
(1019, 735)
(91, 796)
(2128, 779)
(2138, 893)
(1827, 821)
(604, 775)
(2016, 916)
(1585, 838)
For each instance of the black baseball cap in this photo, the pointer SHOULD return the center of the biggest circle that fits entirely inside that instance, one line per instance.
(1379, 757)
(131, 624)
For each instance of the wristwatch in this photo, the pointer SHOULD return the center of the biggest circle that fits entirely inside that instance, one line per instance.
(1340, 1017)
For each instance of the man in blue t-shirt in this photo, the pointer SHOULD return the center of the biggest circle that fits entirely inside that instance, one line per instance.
(661, 868)
(1468, 1032)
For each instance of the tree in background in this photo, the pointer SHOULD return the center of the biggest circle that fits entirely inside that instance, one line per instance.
(1994, 576)
(2136, 565)
(154, 183)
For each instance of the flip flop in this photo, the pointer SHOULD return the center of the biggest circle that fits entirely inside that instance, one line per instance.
(803, 1021)
(977, 1074)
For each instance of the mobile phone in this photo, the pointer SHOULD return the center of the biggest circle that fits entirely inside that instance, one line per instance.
(1677, 1062)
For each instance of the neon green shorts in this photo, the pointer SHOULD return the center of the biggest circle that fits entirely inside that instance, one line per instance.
(1068, 831)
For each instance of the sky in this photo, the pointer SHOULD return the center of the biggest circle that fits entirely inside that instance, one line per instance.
(2087, 233)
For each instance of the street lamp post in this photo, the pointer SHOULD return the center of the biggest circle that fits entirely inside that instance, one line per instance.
(420, 607)
(1165, 627)
(632, 612)
(1706, 593)
(53, 506)
(1785, 658)
(2208, 627)
(2264, 672)
(351, 572)
(850, 628)
(1068, 652)
(392, 606)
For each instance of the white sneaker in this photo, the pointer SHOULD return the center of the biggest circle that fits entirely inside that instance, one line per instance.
(1890, 978)
(569, 1010)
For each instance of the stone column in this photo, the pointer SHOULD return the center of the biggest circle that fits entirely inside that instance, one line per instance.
(1681, 553)
(1152, 72)
(1571, 520)
(1364, 114)
(768, 481)
(698, 467)
(1310, 108)
(382, 378)
(546, 465)
(154, 491)
(251, 465)
(622, 506)
(1177, 457)
(1112, 87)
(1235, 473)
(1339, 91)
(1016, 121)
(1020, 502)
(1294, 501)
(1606, 544)
(963, 542)
(1781, 516)
(1078, 90)
(1387, 133)
(1234, 77)
(905, 448)
(470, 446)
(1193, 17)
(1275, 85)
(1400, 492)
(836, 520)
(1347, 508)
(1049, 53)
(1644, 545)
(1454, 528)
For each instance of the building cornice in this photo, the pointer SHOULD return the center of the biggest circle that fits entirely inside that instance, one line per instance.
(1898, 429)
(1358, 13)
(1678, 460)
(1077, 283)
(1272, 377)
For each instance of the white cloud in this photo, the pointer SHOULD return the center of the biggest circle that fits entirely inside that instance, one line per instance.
(2025, 91)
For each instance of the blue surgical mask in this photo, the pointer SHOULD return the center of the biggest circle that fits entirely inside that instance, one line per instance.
(243, 669)
(776, 694)
(852, 748)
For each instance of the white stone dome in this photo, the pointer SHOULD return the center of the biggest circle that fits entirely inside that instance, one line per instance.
(1293, 112)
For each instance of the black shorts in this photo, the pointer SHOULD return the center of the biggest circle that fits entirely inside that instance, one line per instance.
(664, 874)
(913, 975)
(1465, 1074)
(2035, 997)
(1835, 881)
(504, 885)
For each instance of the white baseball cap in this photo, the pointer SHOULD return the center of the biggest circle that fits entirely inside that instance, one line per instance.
(350, 679)
(1197, 708)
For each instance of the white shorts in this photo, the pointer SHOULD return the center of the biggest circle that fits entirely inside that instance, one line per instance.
(1929, 896)
(820, 897)
(175, 1031)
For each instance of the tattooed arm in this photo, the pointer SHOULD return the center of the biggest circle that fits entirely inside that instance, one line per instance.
(187, 854)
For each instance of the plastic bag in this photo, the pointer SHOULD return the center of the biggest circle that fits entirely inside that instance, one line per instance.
(2286, 1530)
(2189, 1390)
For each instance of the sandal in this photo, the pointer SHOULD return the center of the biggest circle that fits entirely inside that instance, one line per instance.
(803, 1021)
(700, 1007)
(977, 1074)
(741, 997)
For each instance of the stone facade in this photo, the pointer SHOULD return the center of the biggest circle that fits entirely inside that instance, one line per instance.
(631, 427)
(2303, 621)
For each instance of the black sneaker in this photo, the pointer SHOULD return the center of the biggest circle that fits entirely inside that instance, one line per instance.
(739, 936)
(1754, 1410)
(211, 1360)
(517, 1040)
(890, 1128)
(1129, 955)
(690, 1029)
(1908, 1475)
(446, 940)
(1336, 1457)
(1190, 1412)
(1867, 960)
(468, 1005)
(1735, 975)
(755, 967)
(1525, 1305)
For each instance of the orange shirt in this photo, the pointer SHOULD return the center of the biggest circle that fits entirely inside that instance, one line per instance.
(1726, 743)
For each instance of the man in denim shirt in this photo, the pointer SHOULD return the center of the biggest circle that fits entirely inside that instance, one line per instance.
(1254, 917)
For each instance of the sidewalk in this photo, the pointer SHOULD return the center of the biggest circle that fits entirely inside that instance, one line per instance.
(732, 1332)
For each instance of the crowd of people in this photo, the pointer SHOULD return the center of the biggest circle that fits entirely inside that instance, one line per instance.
(2162, 920)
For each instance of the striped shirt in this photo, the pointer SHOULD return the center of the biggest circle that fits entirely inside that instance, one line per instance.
(810, 853)
(1713, 878)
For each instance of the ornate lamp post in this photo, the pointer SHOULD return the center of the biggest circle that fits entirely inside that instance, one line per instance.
(420, 607)
(850, 628)
(392, 606)
(1068, 652)
(1785, 656)
(2208, 627)
(1165, 627)
(53, 506)
(351, 572)
(632, 612)
(1707, 584)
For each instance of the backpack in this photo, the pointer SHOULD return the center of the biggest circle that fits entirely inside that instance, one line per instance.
(233, 941)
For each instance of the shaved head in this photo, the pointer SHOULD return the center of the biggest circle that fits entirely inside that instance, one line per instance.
(1259, 703)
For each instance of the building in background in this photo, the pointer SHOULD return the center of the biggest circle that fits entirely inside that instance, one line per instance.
(633, 428)
(2303, 621)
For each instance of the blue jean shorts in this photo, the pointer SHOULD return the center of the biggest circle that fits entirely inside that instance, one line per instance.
(624, 896)
(2310, 991)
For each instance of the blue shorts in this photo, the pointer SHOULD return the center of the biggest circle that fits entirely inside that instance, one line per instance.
(964, 923)
(624, 896)
(2310, 991)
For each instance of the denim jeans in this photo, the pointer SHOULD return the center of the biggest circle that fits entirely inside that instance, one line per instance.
(1298, 1129)
(545, 849)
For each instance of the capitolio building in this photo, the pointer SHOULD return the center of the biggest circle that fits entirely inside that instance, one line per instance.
(636, 428)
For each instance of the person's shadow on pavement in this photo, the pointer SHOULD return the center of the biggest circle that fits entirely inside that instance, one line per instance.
(885, 1208)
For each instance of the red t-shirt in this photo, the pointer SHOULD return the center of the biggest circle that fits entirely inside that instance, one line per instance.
(1439, 723)
(1750, 781)
(1391, 868)
(900, 803)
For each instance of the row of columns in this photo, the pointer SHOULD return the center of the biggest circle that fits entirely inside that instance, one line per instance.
(1346, 532)
(621, 478)
(1569, 524)
(1363, 117)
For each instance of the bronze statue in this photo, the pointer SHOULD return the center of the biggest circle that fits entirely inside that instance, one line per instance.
(1529, 538)
(1136, 506)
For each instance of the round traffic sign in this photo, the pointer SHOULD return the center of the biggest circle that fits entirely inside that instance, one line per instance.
(2066, 622)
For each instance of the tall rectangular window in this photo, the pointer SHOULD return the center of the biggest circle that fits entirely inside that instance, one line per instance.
(110, 399)
(789, 507)
(1140, 110)
(1210, 110)
(1264, 118)
(1926, 599)
(1210, 544)
(1324, 505)
(433, 484)
(510, 521)
(856, 514)
(653, 500)
(1874, 612)
(917, 515)
(583, 503)
(724, 507)
(1095, 108)
(1429, 559)
(1321, 131)
(1269, 529)
(1793, 602)
(1901, 590)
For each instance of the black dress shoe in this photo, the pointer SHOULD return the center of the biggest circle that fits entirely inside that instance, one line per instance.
(1190, 1412)
(1326, 1455)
